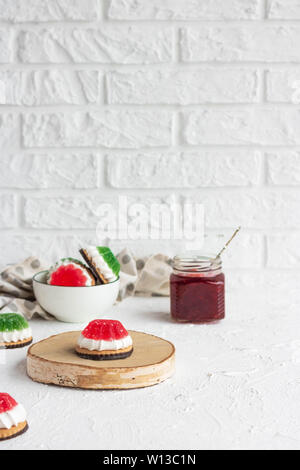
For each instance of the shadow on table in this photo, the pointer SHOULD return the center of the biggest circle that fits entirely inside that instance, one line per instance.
(160, 316)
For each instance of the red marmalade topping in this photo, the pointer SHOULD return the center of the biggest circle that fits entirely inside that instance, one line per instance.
(68, 276)
(106, 330)
(7, 403)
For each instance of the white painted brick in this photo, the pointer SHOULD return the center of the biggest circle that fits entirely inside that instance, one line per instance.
(183, 87)
(112, 129)
(191, 10)
(118, 44)
(14, 248)
(8, 213)
(48, 10)
(251, 209)
(283, 86)
(188, 170)
(50, 87)
(226, 177)
(283, 251)
(61, 212)
(283, 9)
(141, 248)
(71, 212)
(261, 43)
(48, 247)
(6, 40)
(247, 251)
(283, 167)
(258, 210)
(48, 171)
(9, 132)
(264, 126)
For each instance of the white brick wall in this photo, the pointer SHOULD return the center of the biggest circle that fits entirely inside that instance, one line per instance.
(283, 9)
(192, 10)
(8, 215)
(50, 87)
(236, 126)
(242, 43)
(194, 98)
(101, 44)
(48, 10)
(38, 171)
(110, 129)
(206, 168)
(183, 86)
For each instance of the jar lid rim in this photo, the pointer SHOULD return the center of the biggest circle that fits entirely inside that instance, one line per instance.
(196, 257)
(189, 262)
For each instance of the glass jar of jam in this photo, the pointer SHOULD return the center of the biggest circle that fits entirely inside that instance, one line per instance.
(197, 289)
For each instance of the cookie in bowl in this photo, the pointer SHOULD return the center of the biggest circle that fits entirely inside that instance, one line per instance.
(102, 262)
(104, 340)
(70, 272)
(14, 331)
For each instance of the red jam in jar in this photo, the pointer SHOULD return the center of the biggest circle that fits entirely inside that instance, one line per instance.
(197, 287)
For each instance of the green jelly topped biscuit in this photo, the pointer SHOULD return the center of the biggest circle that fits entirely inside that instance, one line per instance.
(12, 321)
(110, 259)
(102, 262)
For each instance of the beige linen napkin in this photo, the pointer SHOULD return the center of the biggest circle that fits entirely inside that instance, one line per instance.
(143, 276)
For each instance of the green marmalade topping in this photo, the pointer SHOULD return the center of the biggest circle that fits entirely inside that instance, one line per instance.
(110, 259)
(12, 321)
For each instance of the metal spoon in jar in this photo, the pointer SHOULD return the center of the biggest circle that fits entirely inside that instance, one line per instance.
(229, 241)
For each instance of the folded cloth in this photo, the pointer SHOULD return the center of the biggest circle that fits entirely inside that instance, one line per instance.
(144, 277)
(16, 293)
(147, 276)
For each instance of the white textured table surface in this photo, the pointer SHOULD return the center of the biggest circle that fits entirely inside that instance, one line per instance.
(237, 384)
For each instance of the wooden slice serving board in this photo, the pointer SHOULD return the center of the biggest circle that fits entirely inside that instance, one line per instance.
(54, 361)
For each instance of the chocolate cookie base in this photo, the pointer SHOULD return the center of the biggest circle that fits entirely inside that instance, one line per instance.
(12, 436)
(105, 357)
(16, 345)
(96, 273)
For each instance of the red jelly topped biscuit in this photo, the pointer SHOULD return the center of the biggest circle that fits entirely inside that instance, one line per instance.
(7, 402)
(12, 417)
(104, 340)
(106, 330)
(70, 273)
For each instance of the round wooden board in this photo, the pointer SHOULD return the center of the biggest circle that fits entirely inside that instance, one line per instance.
(54, 361)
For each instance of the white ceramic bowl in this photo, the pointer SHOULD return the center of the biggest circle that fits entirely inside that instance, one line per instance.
(75, 304)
